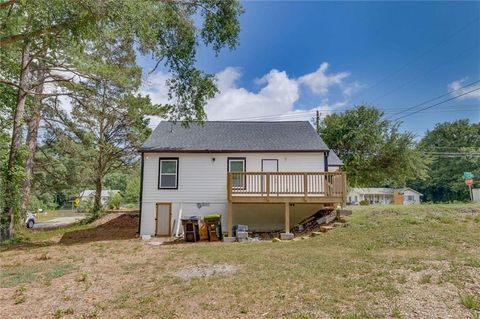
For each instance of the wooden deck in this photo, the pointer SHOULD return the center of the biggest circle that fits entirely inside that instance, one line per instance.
(328, 188)
(281, 187)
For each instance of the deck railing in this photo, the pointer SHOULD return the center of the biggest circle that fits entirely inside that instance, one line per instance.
(287, 184)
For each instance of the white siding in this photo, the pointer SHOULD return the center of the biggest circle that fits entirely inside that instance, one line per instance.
(410, 197)
(204, 180)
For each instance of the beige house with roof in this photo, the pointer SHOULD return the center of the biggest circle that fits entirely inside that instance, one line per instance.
(384, 196)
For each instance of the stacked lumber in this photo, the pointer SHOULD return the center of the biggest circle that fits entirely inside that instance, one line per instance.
(316, 224)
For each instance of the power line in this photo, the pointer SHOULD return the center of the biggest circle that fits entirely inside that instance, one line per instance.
(433, 105)
(311, 113)
(420, 75)
(438, 97)
(382, 80)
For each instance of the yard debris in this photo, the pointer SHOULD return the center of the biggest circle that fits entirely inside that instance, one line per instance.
(315, 233)
(276, 240)
(205, 271)
(324, 229)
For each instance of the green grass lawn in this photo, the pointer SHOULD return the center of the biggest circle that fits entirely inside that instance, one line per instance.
(387, 262)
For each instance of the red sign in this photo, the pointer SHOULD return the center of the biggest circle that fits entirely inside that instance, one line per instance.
(469, 181)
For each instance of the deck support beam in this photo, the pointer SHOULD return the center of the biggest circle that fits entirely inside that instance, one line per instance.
(287, 217)
(230, 219)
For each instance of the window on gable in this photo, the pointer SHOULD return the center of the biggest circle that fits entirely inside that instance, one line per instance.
(237, 165)
(168, 173)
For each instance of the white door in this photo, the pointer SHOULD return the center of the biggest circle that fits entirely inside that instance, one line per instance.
(164, 217)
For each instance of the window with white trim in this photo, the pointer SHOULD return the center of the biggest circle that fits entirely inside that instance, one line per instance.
(168, 173)
(237, 165)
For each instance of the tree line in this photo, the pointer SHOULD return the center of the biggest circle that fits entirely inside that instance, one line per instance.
(376, 153)
(70, 111)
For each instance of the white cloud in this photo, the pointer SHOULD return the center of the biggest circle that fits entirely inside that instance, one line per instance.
(277, 96)
(319, 81)
(456, 89)
(155, 85)
(275, 100)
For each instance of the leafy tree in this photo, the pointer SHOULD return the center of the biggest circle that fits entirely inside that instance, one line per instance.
(44, 30)
(373, 150)
(454, 148)
(107, 118)
(116, 180)
(132, 192)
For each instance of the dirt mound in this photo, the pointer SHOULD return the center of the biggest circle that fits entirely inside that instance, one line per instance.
(111, 227)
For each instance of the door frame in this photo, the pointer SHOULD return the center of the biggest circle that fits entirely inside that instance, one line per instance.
(169, 218)
(270, 159)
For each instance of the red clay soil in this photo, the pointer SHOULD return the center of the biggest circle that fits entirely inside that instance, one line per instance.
(113, 226)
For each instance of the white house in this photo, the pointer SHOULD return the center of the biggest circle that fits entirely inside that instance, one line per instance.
(404, 196)
(267, 175)
(89, 194)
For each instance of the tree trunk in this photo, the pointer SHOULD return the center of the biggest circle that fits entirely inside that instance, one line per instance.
(7, 218)
(32, 135)
(97, 205)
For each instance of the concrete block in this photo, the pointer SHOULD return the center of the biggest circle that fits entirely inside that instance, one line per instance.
(229, 239)
(345, 212)
(286, 236)
(242, 234)
(146, 237)
(324, 229)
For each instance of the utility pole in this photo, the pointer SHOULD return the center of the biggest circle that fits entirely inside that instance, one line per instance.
(318, 122)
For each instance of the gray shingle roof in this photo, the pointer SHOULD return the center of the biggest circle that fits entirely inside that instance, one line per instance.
(333, 159)
(224, 136)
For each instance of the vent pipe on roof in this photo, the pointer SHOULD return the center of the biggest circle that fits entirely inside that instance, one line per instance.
(171, 128)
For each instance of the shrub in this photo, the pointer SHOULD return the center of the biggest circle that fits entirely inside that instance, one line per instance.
(364, 202)
(114, 201)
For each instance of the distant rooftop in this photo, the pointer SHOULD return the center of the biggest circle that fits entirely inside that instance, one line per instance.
(233, 136)
(381, 190)
(333, 159)
(105, 192)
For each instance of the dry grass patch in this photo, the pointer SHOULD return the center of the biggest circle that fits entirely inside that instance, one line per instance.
(380, 266)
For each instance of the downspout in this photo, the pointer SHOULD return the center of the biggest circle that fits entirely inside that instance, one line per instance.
(325, 157)
(141, 195)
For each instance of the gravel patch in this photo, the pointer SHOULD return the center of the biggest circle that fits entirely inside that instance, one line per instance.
(205, 271)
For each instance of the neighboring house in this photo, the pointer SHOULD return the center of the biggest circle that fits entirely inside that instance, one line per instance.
(334, 162)
(267, 175)
(89, 194)
(476, 194)
(403, 196)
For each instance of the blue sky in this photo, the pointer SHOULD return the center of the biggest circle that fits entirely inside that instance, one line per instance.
(295, 57)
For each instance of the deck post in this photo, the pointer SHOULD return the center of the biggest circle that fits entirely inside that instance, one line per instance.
(229, 186)
(287, 217)
(344, 189)
(230, 219)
